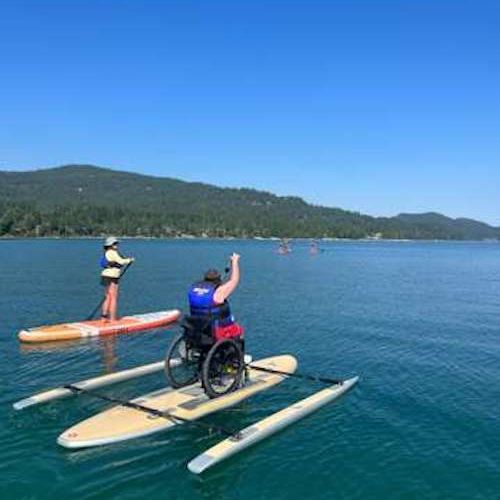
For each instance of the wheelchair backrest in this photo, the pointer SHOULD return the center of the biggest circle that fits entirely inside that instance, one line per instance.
(198, 330)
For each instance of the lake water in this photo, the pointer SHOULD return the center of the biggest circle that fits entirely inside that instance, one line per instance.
(419, 322)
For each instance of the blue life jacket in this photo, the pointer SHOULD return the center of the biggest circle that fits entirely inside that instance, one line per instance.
(106, 264)
(201, 304)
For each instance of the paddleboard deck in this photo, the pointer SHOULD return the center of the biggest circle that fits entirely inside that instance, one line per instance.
(94, 328)
(121, 423)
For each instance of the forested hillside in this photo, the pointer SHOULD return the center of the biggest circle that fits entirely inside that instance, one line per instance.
(83, 200)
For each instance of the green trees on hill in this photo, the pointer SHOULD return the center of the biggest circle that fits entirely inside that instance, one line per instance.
(81, 200)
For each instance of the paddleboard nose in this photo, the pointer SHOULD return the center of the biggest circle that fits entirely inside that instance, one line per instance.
(68, 440)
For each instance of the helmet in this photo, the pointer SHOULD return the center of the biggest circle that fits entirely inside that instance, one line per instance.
(213, 275)
(110, 241)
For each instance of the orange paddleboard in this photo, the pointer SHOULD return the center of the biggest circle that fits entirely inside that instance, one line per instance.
(94, 328)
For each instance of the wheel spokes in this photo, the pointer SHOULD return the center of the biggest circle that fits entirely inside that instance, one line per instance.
(224, 369)
(187, 371)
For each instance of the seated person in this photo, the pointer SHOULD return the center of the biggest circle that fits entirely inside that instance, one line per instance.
(208, 299)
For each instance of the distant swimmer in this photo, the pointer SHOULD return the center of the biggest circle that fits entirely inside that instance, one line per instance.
(112, 263)
(284, 247)
(314, 249)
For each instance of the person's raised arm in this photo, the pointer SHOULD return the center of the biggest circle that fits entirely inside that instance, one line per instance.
(225, 290)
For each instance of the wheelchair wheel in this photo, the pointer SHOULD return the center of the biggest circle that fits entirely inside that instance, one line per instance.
(186, 370)
(222, 369)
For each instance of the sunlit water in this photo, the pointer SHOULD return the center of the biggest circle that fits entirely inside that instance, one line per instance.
(419, 322)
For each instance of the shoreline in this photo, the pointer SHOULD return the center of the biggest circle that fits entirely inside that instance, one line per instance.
(250, 238)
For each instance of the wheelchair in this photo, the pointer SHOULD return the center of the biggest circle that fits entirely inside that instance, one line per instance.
(195, 355)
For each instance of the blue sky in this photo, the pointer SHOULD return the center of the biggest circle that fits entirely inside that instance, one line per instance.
(375, 106)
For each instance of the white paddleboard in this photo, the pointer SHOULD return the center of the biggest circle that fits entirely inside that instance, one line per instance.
(121, 423)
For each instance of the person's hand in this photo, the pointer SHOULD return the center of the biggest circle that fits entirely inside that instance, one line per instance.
(132, 259)
(235, 258)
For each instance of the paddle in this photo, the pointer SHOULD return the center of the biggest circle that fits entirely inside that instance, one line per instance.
(312, 378)
(92, 314)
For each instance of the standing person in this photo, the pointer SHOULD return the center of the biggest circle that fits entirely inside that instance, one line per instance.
(208, 298)
(112, 263)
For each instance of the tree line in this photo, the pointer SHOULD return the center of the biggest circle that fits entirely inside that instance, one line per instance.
(80, 200)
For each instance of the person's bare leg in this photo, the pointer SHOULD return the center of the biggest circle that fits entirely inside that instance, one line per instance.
(106, 304)
(113, 304)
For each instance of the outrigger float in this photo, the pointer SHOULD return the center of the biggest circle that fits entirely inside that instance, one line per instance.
(168, 407)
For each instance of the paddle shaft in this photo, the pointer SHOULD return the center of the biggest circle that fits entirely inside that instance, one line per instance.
(92, 314)
(312, 378)
(152, 411)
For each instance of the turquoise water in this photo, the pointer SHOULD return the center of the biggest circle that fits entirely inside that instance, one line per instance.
(419, 322)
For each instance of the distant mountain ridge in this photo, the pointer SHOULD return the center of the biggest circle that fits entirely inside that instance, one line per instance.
(85, 200)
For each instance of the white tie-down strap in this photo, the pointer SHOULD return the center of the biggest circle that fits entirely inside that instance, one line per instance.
(87, 330)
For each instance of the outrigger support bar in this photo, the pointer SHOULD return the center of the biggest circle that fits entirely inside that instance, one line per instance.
(313, 378)
(153, 411)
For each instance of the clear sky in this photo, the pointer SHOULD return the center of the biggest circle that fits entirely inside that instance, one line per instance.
(375, 106)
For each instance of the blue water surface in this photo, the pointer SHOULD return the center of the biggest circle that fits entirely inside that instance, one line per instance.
(419, 322)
